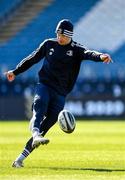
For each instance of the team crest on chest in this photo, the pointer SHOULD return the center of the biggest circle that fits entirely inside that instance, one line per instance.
(69, 53)
(51, 51)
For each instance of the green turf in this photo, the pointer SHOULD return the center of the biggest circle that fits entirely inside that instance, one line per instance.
(94, 151)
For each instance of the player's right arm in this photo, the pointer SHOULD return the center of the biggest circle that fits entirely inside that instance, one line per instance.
(10, 75)
(27, 62)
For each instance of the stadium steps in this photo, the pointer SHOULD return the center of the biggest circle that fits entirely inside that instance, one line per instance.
(111, 35)
(6, 7)
(21, 17)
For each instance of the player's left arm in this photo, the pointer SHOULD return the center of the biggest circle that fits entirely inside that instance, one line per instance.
(97, 56)
(86, 54)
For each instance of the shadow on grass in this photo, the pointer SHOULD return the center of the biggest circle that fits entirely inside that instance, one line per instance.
(82, 169)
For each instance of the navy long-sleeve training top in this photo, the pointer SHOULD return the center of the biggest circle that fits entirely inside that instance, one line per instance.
(61, 63)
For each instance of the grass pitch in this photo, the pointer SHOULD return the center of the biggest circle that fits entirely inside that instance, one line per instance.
(94, 151)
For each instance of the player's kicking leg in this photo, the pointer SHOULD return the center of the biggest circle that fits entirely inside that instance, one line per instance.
(46, 124)
(40, 108)
(18, 163)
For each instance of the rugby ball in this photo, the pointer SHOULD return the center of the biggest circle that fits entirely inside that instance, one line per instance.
(66, 121)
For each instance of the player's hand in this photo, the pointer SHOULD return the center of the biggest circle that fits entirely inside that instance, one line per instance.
(10, 75)
(106, 58)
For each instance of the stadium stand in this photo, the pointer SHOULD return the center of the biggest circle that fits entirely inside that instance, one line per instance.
(87, 16)
(25, 12)
(6, 7)
(104, 32)
(98, 25)
(89, 11)
(20, 45)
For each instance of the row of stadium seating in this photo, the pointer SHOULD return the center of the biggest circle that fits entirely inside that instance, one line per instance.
(103, 31)
(6, 7)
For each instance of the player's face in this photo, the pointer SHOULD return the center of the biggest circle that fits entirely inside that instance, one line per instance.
(62, 39)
